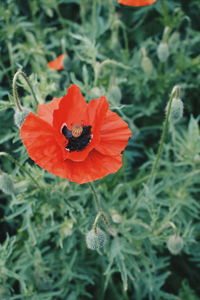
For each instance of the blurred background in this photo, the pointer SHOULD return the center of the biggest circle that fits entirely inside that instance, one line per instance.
(134, 56)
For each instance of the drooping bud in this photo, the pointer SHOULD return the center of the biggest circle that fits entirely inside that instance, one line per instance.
(96, 239)
(176, 112)
(175, 244)
(6, 184)
(163, 51)
(20, 116)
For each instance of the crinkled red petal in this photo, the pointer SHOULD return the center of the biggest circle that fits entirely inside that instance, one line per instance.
(38, 137)
(136, 2)
(45, 111)
(95, 115)
(71, 110)
(114, 135)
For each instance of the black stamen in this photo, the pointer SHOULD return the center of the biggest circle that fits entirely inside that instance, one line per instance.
(77, 143)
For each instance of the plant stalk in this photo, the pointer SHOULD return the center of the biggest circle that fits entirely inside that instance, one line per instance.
(15, 92)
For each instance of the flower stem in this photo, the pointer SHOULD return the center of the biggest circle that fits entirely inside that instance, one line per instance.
(98, 216)
(96, 198)
(104, 217)
(174, 94)
(21, 167)
(14, 87)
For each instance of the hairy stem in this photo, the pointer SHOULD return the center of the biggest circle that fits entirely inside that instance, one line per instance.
(96, 198)
(14, 88)
(174, 94)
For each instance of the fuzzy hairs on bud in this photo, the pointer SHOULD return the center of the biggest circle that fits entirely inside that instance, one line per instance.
(20, 116)
(175, 244)
(96, 239)
(176, 110)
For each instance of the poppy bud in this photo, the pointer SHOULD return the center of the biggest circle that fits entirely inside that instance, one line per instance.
(163, 51)
(20, 116)
(116, 217)
(95, 92)
(146, 65)
(174, 38)
(6, 184)
(66, 228)
(176, 110)
(175, 244)
(115, 94)
(96, 239)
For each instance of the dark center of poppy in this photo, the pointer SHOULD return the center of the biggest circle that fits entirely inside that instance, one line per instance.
(78, 138)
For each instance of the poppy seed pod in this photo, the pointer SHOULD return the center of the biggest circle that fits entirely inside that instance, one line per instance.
(6, 184)
(163, 51)
(96, 239)
(20, 116)
(175, 244)
(176, 110)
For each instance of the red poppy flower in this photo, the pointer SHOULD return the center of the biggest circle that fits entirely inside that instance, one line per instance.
(57, 64)
(75, 140)
(136, 2)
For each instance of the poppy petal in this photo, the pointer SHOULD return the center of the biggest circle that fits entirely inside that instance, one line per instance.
(45, 111)
(136, 2)
(95, 114)
(57, 64)
(38, 137)
(71, 110)
(114, 135)
(94, 167)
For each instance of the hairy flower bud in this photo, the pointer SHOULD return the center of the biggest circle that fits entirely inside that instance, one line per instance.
(115, 94)
(146, 65)
(163, 51)
(175, 244)
(96, 239)
(6, 184)
(116, 217)
(20, 116)
(66, 228)
(95, 92)
(176, 110)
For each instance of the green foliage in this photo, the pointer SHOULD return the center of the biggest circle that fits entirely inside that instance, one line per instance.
(115, 51)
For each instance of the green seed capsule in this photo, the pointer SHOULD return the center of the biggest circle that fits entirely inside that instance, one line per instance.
(6, 184)
(96, 239)
(20, 116)
(175, 244)
(163, 51)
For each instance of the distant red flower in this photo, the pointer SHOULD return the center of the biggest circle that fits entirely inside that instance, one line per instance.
(57, 64)
(75, 140)
(136, 2)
